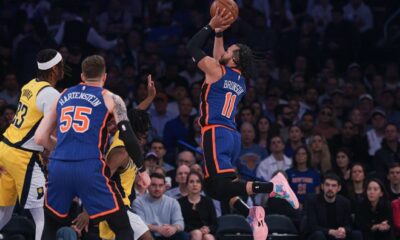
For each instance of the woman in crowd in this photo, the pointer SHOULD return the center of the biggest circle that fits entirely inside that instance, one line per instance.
(356, 185)
(198, 211)
(294, 141)
(320, 154)
(302, 178)
(262, 133)
(343, 161)
(374, 215)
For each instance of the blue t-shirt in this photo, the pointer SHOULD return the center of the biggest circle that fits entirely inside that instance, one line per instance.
(303, 183)
(248, 161)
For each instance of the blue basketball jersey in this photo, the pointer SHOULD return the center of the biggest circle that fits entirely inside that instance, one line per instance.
(219, 100)
(81, 124)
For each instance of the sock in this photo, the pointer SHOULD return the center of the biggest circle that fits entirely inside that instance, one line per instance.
(38, 217)
(5, 215)
(263, 187)
(241, 207)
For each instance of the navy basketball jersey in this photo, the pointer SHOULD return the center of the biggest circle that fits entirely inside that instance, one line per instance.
(81, 124)
(219, 100)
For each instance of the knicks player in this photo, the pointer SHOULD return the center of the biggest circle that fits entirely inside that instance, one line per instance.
(222, 90)
(76, 166)
(19, 154)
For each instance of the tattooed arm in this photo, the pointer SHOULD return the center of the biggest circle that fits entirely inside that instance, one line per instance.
(117, 106)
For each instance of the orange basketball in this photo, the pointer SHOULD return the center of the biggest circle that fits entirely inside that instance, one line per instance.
(229, 5)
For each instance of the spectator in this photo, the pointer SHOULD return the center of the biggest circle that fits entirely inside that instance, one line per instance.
(161, 213)
(160, 115)
(343, 162)
(394, 181)
(359, 14)
(320, 154)
(322, 15)
(326, 123)
(185, 157)
(198, 211)
(307, 125)
(115, 21)
(158, 147)
(376, 134)
(250, 155)
(329, 214)
(301, 177)
(358, 120)
(178, 128)
(295, 140)
(11, 89)
(276, 161)
(151, 160)
(356, 186)
(374, 216)
(180, 178)
(262, 132)
(9, 113)
(246, 114)
(390, 151)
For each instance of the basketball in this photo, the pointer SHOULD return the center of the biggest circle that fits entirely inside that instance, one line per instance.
(229, 5)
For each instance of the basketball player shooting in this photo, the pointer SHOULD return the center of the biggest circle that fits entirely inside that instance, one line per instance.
(222, 90)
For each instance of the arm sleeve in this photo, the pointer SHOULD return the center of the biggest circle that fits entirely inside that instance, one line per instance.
(176, 215)
(197, 42)
(131, 142)
(46, 98)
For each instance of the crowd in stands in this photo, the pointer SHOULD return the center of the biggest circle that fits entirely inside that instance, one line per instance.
(322, 105)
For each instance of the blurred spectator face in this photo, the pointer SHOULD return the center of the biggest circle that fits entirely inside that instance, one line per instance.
(386, 99)
(159, 149)
(298, 83)
(378, 82)
(391, 133)
(185, 107)
(294, 105)
(348, 130)
(141, 92)
(295, 134)
(129, 72)
(354, 74)
(331, 84)
(277, 145)
(196, 168)
(257, 109)
(185, 158)
(10, 82)
(161, 104)
(247, 132)
(357, 173)
(150, 163)
(337, 100)
(300, 64)
(179, 93)
(378, 121)
(271, 102)
(331, 188)
(356, 117)
(301, 156)
(157, 187)
(307, 124)
(325, 116)
(342, 160)
(348, 89)
(366, 106)
(194, 184)
(311, 96)
(374, 192)
(288, 115)
(263, 125)
(316, 143)
(9, 115)
(251, 95)
(394, 175)
(246, 116)
(181, 174)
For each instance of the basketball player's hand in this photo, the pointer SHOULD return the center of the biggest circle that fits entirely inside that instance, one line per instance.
(81, 222)
(143, 179)
(220, 20)
(151, 88)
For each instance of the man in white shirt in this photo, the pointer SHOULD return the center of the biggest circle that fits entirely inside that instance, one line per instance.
(376, 134)
(276, 161)
(357, 12)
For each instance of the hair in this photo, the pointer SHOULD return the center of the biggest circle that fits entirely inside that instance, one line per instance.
(324, 163)
(198, 175)
(246, 108)
(43, 56)
(394, 165)
(157, 140)
(384, 200)
(350, 185)
(332, 176)
(308, 157)
(243, 58)
(159, 168)
(392, 124)
(93, 67)
(140, 121)
(157, 175)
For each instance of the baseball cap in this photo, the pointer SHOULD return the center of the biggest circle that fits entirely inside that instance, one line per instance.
(378, 111)
(152, 155)
(366, 96)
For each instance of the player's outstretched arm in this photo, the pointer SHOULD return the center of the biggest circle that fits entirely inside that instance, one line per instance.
(151, 94)
(117, 106)
(46, 128)
(210, 66)
(218, 49)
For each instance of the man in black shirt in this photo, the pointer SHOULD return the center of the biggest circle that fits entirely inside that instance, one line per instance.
(329, 214)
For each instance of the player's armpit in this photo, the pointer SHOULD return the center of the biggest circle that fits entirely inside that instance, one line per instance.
(117, 158)
(211, 67)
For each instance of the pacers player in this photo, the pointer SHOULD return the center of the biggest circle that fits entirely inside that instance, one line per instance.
(19, 154)
(76, 166)
(223, 88)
